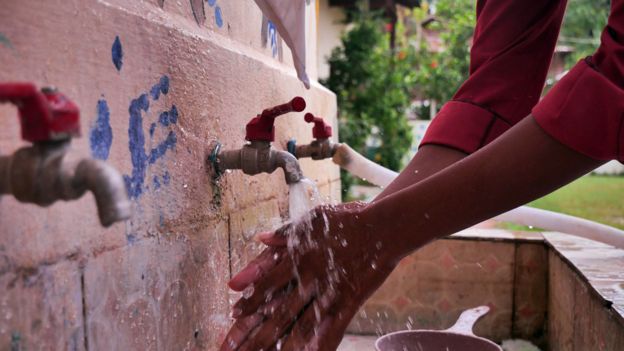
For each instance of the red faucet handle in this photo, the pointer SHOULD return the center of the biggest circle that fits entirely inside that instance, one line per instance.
(321, 130)
(261, 128)
(44, 115)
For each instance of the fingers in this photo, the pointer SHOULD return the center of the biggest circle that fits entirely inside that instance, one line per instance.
(321, 326)
(240, 331)
(255, 269)
(272, 238)
(272, 281)
(286, 310)
(303, 330)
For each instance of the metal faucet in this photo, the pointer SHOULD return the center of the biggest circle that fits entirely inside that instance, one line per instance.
(42, 173)
(257, 156)
(321, 147)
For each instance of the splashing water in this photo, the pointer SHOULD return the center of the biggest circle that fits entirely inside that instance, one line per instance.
(304, 196)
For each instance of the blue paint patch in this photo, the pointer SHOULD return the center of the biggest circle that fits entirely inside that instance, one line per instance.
(160, 150)
(272, 30)
(161, 87)
(5, 41)
(161, 219)
(218, 17)
(169, 117)
(211, 3)
(140, 159)
(156, 183)
(134, 183)
(117, 53)
(131, 238)
(101, 134)
(166, 178)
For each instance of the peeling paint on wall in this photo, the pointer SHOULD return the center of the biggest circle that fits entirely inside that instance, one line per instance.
(141, 160)
(101, 134)
(117, 53)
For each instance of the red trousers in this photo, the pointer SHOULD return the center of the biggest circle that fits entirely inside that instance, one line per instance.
(512, 48)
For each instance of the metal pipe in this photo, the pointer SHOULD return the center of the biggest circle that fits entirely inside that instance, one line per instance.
(42, 174)
(290, 165)
(107, 186)
(318, 149)
(257, 157)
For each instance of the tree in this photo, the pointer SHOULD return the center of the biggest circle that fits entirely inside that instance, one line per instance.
(441, 73)
(372, 83)
(582, 26)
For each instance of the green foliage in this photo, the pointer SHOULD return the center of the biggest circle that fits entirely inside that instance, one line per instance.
(372, 83)
(441, 73)
(582, 26)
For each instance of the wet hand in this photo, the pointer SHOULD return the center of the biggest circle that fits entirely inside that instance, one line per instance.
(303, 290)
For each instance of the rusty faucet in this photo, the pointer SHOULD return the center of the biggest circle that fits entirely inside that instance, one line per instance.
(257, 156)
(42, 173)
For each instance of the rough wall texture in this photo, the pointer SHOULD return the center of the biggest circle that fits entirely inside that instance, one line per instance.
(154, 88)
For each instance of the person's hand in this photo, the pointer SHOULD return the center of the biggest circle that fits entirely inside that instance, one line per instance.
(302, 291)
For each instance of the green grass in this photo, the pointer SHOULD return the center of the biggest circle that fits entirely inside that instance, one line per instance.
(597, 198)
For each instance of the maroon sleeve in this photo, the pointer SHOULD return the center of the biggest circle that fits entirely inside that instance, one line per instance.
(512, 48)
(585, 110)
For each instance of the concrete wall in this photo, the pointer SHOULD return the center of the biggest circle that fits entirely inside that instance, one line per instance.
(156, 282)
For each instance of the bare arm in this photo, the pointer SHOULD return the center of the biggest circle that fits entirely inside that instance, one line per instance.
(347, 252)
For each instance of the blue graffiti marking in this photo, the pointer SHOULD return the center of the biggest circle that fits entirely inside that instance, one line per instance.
(152, 129)
(218, 17)
(169, 117)
(101, 134)
(272, 37)
(156, 183)
(161, 87)
(5, 41)
(141, 160)
(160, 150)
(218, 13)
(117, 53)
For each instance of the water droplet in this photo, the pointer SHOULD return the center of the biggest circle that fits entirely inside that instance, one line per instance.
(344, 243)
(374, 265)
(378, 245)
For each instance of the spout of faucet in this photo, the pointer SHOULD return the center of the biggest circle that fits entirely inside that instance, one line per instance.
(253, 158)
(290, 165)
(41, 174)
(107, 186)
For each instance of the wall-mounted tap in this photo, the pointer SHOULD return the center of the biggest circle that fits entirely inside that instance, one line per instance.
(42, 173)
(257, 156)
(321, 147)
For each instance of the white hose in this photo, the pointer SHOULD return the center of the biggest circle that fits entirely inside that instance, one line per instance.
(360, 166)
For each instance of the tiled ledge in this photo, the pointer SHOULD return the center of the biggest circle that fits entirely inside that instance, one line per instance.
(497, 235)
(550, 288)
(599, 265)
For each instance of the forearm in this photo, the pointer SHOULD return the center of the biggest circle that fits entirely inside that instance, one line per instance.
(523, 164)
(429, 160)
